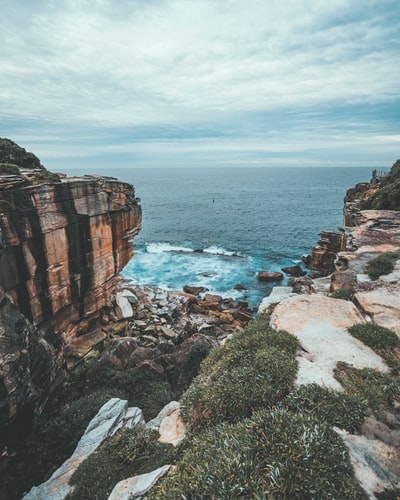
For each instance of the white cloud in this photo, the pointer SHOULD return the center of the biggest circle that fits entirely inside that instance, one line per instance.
(184, 63)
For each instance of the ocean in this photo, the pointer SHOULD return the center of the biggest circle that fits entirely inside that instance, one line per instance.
(218, 227)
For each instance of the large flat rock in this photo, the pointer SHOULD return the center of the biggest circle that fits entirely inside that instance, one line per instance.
(383, 305)
(320, 323)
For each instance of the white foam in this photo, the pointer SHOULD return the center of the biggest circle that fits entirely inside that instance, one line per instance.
(166, 247)
(214, 250)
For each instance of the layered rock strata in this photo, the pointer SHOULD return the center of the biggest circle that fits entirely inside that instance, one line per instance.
(63, 245)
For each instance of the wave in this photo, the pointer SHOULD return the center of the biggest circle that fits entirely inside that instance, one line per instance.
(166, 247)
(160, 247)
(214, 250)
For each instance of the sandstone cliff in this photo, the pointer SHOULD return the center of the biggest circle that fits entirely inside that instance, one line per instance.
(63, 243)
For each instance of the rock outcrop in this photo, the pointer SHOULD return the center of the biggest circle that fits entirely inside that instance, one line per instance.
(63, 243)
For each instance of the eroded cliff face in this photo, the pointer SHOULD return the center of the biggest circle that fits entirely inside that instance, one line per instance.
(63, 245)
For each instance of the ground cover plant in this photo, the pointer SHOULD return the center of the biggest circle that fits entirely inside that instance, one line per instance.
(273, 454)
(381, 265)
(254, 369)
(326, 405)
(382, 340)
(129, 453)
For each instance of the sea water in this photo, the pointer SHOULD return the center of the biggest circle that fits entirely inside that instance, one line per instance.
(218, 227)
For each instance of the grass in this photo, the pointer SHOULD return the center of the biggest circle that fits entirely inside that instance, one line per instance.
(370, 386)
(256, 368)
(273, 454)
(329, 406)
(382, 265)
(129, 453)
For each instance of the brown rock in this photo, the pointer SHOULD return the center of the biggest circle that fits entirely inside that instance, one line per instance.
(72, 238)
(269, 276)
(294, 271)
(212, 298)
(343, 279)
(80, 346)
(194, 290)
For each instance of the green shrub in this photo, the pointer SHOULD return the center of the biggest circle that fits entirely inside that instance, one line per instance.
(256, 368)
(9, 168)
(383, 264)
(374, 336)
(301, 458)
(326, 405)
(218, 463)
(129, 453)
(369, 385)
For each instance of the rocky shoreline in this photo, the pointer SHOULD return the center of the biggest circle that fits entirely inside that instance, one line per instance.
(146, 345)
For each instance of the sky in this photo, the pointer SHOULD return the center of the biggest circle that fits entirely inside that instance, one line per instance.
(201, 83)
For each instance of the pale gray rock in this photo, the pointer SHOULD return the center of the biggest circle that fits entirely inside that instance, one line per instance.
(278, 293)
(383, 305)
(100, 427)
(169, 424)
(137, 486)
(124, 308)
(376, 464)
(320, 323)
(165, 412)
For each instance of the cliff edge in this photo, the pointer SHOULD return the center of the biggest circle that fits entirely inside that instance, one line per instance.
(63, 243)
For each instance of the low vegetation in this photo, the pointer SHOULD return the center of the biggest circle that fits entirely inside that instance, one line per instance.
(143, 388)
(8, 169)
(129, 453)
(387, 197)
(251, 434)
(378, 338)
(383, 264)
(273, 454)
(326, 405)
(256, 368)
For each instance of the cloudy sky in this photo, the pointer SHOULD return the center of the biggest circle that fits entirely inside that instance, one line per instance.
(192, 83)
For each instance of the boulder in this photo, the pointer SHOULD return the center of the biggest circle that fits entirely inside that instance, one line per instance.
(343, 279)
(169, 424)
(278, 293)
(194, 290)
(136, 487)
(103, 425)
(269, 276)
(294, 271)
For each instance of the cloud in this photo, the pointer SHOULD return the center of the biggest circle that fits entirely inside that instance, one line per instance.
(147, 69)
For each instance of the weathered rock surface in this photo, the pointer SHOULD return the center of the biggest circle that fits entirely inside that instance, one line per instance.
(382, 304)
(321, 261)
(111, 417)
(29, 368)
(136, 487)
(376, 464)
(269, 276)
(321, 323)
(63, 245)
(169, 424)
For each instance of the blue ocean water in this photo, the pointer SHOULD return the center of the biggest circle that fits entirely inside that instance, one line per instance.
(218, 227)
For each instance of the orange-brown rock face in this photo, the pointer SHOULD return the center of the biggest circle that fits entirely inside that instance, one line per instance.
(63, 245)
